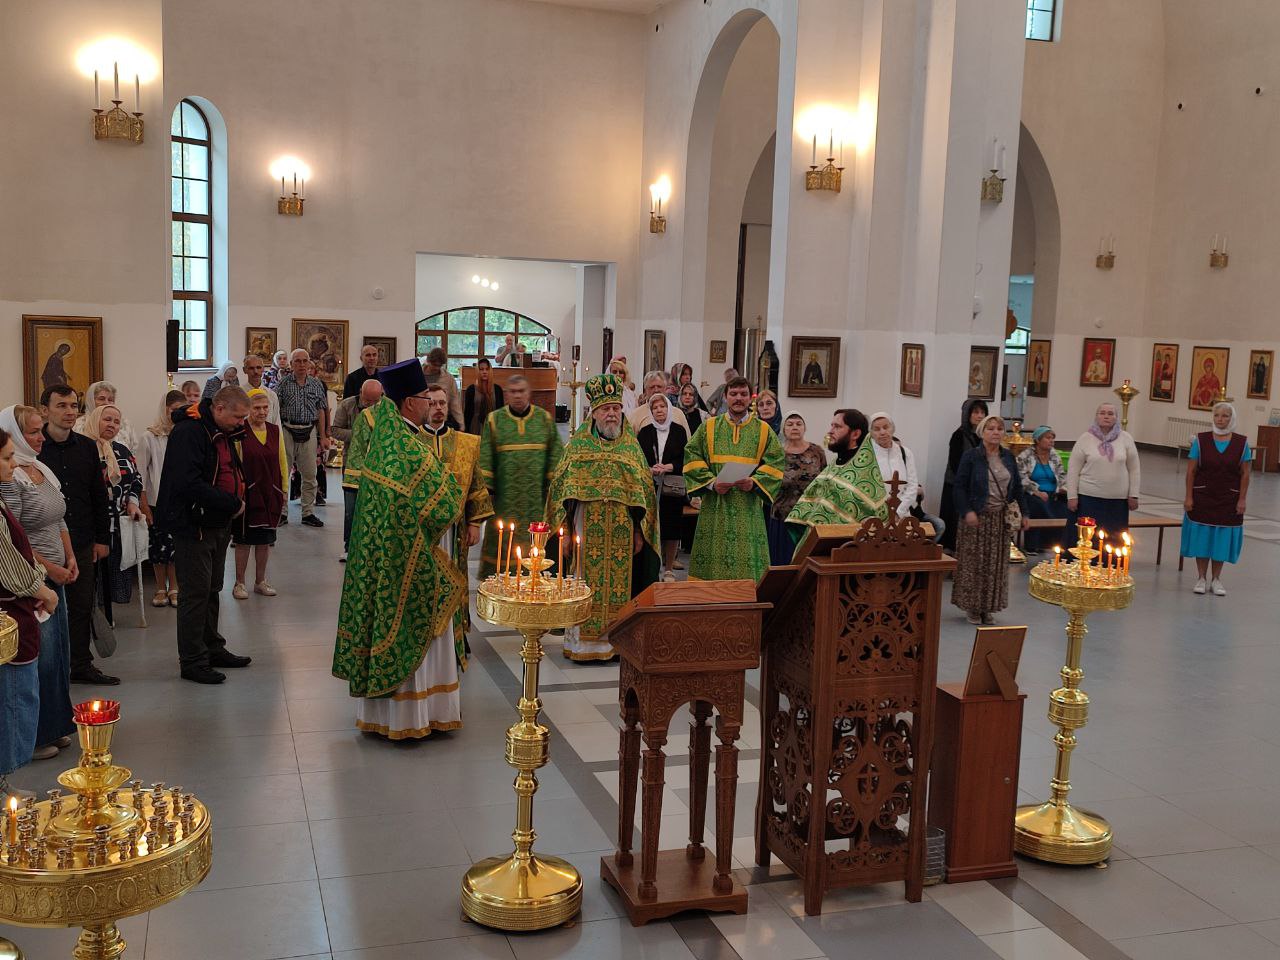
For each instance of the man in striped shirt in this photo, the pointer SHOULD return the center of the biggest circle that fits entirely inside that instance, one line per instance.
(304, 408)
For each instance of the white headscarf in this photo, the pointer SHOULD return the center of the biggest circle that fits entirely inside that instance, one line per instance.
(1230, 426)
(222, 373)
(23, 454)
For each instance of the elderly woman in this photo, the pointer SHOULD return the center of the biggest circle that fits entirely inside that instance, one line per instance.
(1217, 485)
(1102, 475)
(767, 409)
(689, 405)
(23, 596)
(276, 370)
(266, 476)
(228, 375)
(1045, 480)
(963, 439)
(150, 455)
(103, 392)
(663, 442)
(986, 483)
(804, 461)
(682, 375)
(125, 492)
(892, 457)
(34, 496)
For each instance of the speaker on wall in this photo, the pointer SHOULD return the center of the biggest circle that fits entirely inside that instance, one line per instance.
(171, 346)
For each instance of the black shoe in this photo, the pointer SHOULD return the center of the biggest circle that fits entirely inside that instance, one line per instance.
(312, 521)
(225, 658)
(92, 674)
(203, 675)
(321, 502)
(284, 520)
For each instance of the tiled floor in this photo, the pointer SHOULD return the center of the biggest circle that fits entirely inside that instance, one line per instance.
(333, 845)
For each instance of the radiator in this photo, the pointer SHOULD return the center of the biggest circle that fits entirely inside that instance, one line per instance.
(1180, 431)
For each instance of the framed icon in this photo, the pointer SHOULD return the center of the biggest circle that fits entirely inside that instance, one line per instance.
(719, 351)
(1260, 364)
(326, 342)
(58, 350)
(1164, 372)
(1039, 353)
(982, 372)
(1097, 361)
(261, 342)
(386, 349)
(911, 370)
(815, 367)
(1208, 376)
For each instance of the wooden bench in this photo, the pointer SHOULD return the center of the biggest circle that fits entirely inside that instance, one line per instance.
(1160, 524)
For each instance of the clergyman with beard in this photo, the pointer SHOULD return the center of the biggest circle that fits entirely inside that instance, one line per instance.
(848, 491)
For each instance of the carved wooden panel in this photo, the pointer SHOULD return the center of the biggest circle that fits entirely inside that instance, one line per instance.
(660, 696)
(681, 639)
(794, 641)
(881, 624)
(788, 762)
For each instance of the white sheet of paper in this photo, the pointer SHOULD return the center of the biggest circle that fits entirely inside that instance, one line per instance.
(733, 472)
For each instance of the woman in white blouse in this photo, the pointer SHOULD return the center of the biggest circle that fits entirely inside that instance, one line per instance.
(1103, 475)
(893, 457)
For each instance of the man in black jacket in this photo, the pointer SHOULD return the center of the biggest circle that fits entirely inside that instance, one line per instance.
(201, 492)
(74, 460)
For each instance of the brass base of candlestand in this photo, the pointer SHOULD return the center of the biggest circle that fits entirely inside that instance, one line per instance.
(1061, 834)
(522, 894)
(9, 950)
(99, 943)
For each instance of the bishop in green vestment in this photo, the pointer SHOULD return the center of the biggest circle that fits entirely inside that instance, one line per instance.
(519, 448)
(732, 542)
(848, 492)
(401, 591)
(603, 490)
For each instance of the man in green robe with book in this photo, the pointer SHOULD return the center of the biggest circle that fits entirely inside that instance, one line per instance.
(732, 542)
(395, 644)
(519, 448)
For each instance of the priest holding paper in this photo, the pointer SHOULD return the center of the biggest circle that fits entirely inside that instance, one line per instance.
(735, 463)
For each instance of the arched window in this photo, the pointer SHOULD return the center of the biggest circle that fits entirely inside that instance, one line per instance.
(469, 333)
(191, 253)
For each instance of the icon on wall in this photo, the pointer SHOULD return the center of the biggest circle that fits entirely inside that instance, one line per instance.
(1164, 371)
(1038, 354)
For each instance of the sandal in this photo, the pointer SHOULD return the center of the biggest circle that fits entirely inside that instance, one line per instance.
(161, 599)
(173, 598)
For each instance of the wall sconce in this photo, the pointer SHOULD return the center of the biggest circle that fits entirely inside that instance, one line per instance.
(658, 192)
(829, 176)
(1106, 258)
(1218, 255)
(117, 123)
(291, 168)
(484, 282)
(993, 185)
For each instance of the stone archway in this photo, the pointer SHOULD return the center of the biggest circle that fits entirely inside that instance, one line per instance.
(1034, 187)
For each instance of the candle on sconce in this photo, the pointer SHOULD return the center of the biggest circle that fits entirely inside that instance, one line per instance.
(97, 97)
(116, 70)
(1224, 244)
(1102, 244)
(815, 150)
(282, 188)
(137, 94)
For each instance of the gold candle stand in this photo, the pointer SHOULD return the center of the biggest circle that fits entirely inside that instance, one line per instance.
(1126, 392)
(1055, 831)
(1016, 442)
(8, 650)
(110, 850)
(524, 891)
(574, 384)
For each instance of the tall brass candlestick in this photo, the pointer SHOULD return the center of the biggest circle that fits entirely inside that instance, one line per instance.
(1126, 392)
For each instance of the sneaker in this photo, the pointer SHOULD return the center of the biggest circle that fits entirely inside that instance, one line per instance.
(1218, 589)
(988, 620)
(93, 675)
(239, 592)
(264, 588)
(203, 675)
(225, 658)
(47, 752)
(668, 577)
(1200, 586)
(160, 599)
(974, 618)
(312, 521)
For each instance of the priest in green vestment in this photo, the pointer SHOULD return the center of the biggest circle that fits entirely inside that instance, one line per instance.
(603, 492)
(519, 448)
(732, 542)
(848, 491)
(395, 645)
(461, 453)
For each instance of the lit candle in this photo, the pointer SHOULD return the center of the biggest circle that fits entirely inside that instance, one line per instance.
(97, 97)
(137, 94)
(13, 820)
(831, 144)
(519, 566)
(511, 539)
(295, 184)
(497, 565)
(116, 70)
(560, 557)
(577, 550)
(815, 151)
(282, 188)
(1107, 563)
(1057, 557)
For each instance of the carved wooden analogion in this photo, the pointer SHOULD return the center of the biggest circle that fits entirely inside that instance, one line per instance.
(850, 661)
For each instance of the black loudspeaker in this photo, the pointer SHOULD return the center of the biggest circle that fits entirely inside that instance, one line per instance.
(171, 346)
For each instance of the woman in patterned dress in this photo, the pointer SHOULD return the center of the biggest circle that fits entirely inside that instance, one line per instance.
(805, 460)
(126, 495)
(150, 453)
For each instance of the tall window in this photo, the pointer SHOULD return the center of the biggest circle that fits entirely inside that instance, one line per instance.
(190, 169)
(1040, 16)
(469, 333)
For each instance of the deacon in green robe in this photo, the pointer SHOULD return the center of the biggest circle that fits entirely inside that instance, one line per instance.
(848, 492)
(401, 591)
(603, 492)
(461, 453)
(732, 542)
(519, 448)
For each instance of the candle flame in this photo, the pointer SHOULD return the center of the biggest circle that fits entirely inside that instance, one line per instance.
(1125, 538)
(13, 805)
(96, 705)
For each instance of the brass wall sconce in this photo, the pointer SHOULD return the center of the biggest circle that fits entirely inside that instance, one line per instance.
(117, 123)
(829, 176)
(658, 193)
(291, 202)
(1106, 259)
(1218, 254)
(992, 190)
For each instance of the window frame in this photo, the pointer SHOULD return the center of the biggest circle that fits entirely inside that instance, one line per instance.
(1038, 7)
(481, 332)
(178, 217)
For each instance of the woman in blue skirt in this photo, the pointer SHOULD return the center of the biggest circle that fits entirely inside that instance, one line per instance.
(1217, 485)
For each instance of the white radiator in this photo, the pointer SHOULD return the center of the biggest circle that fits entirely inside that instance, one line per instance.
(1180, 431)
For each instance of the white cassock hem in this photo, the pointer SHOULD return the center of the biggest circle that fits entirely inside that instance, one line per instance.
(429, 700)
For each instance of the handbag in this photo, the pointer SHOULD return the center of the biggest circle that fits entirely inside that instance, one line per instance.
(101, 630)
(300, 435)
(672, 486)
(1013, 517)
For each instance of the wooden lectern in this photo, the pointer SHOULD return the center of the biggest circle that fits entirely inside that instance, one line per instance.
(681, 643)
(850, 661)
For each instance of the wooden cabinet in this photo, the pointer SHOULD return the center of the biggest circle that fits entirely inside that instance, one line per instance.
(542, 382)
(1269, 440)
(973, 789)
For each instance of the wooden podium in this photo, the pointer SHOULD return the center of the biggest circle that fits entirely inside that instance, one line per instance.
(850, 662)
(681, 643)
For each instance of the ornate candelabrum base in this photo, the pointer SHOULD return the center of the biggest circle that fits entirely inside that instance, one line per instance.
(1055, 831)
(524, 891)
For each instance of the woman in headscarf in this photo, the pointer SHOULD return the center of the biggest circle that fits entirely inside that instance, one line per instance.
(682, 376)
(986, 482)
(767, 410)
(1102, 475)
(481, 398)
(150, 456)
(688, 403)
(127, 498)
(35, 498)
(663, 442)
(963, 439)
(102, 392)
(1217, 487)
(266, 475)
(228, 375)
(892, 457)
(804, 461)
(1045, 480)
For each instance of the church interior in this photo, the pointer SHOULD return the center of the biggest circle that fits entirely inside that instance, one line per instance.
(889, 205)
